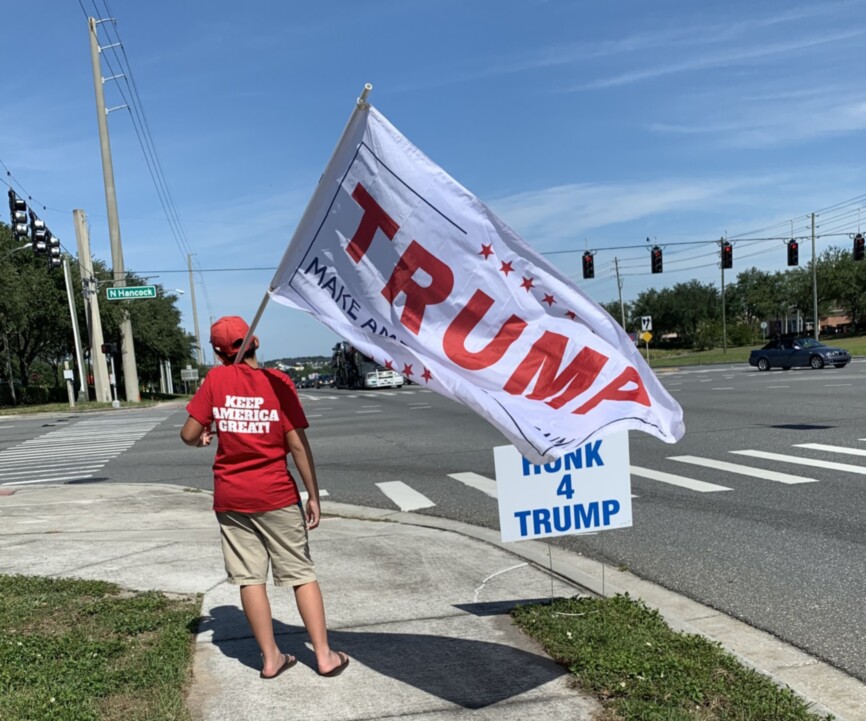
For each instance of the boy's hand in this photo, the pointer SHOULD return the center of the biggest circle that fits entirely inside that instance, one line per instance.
(205, 438)
(313, 513)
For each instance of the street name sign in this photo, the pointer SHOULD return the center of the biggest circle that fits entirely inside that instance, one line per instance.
(131, 292)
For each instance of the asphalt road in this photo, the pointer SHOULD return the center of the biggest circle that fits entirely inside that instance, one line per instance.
(776, 540)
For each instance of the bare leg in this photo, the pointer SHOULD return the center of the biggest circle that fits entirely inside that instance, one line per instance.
(312, 610)
(257, 608)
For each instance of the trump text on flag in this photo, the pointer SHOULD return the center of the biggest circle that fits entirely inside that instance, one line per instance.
(412, 270)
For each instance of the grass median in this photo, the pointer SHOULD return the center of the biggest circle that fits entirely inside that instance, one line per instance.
(624, 654)
(74, 650)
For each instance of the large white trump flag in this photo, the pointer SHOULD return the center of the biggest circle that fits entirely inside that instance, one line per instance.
(412, 269)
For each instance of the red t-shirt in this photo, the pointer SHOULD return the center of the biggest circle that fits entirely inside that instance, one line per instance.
(252, 409)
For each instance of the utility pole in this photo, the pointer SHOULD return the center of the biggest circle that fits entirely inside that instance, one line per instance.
(724, 322)
(79, 358)
(815, 328)
(127, 347)
(200, 350)
(619, 286)
(90, 289)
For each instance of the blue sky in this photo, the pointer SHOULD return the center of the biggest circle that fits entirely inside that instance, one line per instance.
(581, 124)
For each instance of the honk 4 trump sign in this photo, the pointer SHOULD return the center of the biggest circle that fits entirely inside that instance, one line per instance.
(408, 266)
(585, 490)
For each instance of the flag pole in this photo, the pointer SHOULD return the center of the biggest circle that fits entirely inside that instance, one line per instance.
(360, 104)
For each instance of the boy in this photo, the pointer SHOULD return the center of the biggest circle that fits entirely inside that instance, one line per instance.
(259, 420)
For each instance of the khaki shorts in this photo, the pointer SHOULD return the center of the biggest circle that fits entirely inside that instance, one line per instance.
(252, 540)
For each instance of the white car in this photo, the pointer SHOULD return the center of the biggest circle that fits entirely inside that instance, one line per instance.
(383, 379)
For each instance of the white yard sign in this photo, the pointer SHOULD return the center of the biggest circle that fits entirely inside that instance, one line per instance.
(584, 491)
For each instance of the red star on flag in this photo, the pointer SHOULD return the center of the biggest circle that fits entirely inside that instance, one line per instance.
(571, 314)
(407, 369)
(486, 250)
(426, 375)
(506, 267)
(389, 364)
(527, 283)
(549, 299)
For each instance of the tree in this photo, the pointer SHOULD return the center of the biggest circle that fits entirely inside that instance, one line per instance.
(614, 309)
(33, 308)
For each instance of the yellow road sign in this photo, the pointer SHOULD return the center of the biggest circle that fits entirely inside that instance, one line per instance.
(646, 336)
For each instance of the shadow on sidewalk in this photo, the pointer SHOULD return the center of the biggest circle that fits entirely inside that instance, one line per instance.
(472, 674)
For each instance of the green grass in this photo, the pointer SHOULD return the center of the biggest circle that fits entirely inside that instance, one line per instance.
(624, 654)
(75, 650)
(64, 407)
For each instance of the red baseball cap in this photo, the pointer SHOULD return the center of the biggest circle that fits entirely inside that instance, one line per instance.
(228, 333)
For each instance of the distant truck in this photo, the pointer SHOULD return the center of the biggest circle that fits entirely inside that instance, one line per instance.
(350, 366)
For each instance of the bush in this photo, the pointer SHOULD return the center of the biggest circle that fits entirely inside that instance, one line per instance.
(33, 395)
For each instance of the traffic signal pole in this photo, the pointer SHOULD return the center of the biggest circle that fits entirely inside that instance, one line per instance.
(127, 347)
(79, 358)
(724, 320)
(815, 328)
(619, 287)
(199, 349)
(90, 290)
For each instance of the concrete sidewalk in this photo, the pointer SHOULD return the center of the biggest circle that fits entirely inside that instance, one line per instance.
(419, 603)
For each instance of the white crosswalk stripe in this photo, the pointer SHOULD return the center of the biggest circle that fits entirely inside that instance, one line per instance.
(674, 480)
(322, 494)
(476, 481)
(405, 497)
(73, 453)
(832, 449)
(828, 465)
(742, 470)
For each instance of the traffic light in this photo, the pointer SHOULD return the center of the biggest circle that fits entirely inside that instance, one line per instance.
(38, 234)
(793, 252)
(727, 255)
(53, 250)
(656, 259)
(109, 348)
(859, 247)
(18, 215)
(588, 265)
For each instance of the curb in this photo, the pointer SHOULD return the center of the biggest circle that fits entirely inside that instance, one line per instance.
(826, 689)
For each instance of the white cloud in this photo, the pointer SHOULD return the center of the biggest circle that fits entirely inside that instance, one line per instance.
(550, 216)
